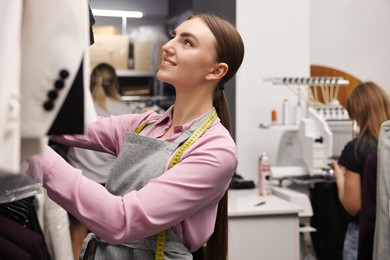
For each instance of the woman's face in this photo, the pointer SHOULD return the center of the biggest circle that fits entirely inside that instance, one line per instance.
(189, 56)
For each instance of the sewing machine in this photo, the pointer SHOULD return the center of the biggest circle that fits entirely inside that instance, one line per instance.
(307, 147)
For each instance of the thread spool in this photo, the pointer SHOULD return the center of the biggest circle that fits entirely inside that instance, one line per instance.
(274, 116)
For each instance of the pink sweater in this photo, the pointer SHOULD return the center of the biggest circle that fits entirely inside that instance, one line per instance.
(184, 197)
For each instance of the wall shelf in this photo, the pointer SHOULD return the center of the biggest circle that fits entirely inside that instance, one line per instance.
(274, 126)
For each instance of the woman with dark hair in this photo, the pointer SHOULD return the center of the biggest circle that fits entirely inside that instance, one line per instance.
(369, 106)
(166, 194)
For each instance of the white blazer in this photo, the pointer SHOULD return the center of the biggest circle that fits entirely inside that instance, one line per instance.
(43, 46)
(10, 64)
(55, 40)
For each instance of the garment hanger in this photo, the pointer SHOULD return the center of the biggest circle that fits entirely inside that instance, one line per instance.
(19, 210)
(14, 214)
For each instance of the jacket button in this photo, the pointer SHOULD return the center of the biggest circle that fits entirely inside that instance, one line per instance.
(64, 74)
(48, 105)
(52, 94)
(59, 84)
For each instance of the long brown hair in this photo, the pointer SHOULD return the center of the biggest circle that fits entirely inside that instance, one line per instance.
(230, 49)
(369, 106)
(104, 83)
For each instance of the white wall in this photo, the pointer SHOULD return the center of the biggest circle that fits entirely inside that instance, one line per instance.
(354, 36)
(283, 38)
(276, 37)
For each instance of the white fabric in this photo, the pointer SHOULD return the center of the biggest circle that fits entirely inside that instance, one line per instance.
(39, 39)
(10, 54)
(55, 36)
(54, 223)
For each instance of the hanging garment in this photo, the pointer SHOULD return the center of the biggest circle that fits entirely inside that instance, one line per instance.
(53, 54)
(9, 250)
(70, 119)
(21, 228)
(381, 250)
(368, 209)
(54, 222)
(140, 160)
(329, 219)
(40, 61)
(10, 55)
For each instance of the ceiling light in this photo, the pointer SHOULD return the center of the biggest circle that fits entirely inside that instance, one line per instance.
(117, 13)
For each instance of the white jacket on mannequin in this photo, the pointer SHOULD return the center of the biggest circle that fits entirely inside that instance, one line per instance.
(10, 64)
(44, 44)
(55, 40)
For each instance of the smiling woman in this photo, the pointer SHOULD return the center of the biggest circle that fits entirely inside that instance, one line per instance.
(169, 183)
(194, 58)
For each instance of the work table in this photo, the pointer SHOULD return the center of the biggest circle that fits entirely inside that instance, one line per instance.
(267, 231)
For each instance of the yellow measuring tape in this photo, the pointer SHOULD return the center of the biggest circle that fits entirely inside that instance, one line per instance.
(141, 126)
(198, 132)
(161, 236)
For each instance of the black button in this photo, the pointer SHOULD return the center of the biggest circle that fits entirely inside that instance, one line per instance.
(52, 94)
(64, 74)
(59, 84)
(48, 105)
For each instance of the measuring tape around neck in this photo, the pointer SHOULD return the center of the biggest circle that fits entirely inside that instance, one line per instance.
(141, 127)
(195, 135)
(161, 236)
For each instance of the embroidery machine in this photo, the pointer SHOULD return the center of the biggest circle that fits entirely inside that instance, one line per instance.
(307, 147)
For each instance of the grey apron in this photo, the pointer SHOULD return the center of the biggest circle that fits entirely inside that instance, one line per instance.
(140, 160)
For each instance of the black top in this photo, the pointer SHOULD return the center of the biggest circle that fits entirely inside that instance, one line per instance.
(354, 156)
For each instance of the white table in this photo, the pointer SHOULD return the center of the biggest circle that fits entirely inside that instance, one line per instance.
(269, 231)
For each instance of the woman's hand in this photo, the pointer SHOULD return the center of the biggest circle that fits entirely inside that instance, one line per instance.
(37, 162)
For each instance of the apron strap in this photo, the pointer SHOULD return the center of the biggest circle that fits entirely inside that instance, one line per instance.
(88, 249)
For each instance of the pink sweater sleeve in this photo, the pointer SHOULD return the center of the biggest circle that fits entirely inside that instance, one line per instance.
(187, 195)
(106, 134)
(89, 201)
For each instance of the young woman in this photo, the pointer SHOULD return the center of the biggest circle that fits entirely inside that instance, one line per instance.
(104, 88)
(173, 170)
(369, 106)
